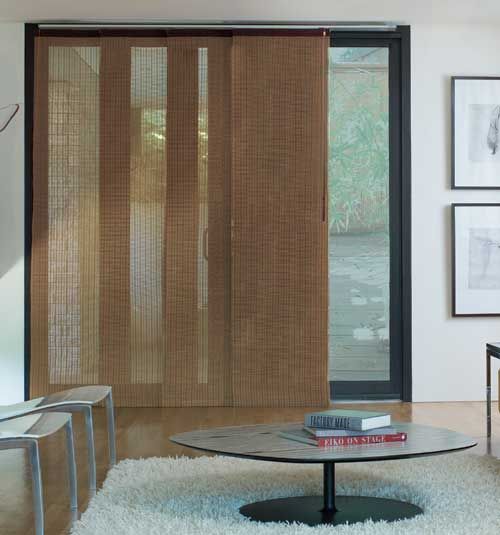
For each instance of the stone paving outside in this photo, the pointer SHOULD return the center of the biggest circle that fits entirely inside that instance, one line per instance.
(359, 306)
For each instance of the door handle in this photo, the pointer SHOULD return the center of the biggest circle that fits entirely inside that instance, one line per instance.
(205, 244)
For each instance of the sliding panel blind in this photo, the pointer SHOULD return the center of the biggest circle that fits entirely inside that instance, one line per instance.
(147, 216)
(179, 233)
(87, 125)
(197, 242)
(65, 341)
(218, 239)
(181, 225)
(39, 361)
(114, 211)
(279, 283)
(198, 152)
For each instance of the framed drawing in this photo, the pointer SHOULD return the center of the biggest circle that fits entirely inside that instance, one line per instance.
(476, 259)
(7, 113)
(475, 150)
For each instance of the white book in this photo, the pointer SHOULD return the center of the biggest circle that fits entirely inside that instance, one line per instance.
(347, 419)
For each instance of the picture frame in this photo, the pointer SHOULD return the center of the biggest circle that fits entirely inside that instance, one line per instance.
(475, 144)
(475, 259)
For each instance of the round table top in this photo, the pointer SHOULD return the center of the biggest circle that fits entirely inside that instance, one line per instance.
(263, 442)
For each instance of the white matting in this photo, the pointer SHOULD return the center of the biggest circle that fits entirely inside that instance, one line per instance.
(460, 494)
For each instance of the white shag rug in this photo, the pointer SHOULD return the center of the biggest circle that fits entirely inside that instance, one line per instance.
(459, 493)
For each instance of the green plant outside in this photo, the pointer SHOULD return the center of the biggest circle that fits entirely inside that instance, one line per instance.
(358, 158)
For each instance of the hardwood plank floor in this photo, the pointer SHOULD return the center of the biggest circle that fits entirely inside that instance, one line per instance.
(145, 432)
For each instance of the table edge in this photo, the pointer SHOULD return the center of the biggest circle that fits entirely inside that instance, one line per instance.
(322, 461)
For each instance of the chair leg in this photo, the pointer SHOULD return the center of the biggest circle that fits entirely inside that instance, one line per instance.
(70, 446)
(90, 448)
(36, 476)
(111, 429)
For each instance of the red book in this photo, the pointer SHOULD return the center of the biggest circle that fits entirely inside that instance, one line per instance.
(329, 442)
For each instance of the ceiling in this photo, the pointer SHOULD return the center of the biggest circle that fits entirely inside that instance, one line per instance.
(402, 11)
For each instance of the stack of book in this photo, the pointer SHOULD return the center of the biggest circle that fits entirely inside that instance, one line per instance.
(341, 427)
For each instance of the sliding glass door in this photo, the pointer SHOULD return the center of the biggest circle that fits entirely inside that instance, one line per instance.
(365, 327)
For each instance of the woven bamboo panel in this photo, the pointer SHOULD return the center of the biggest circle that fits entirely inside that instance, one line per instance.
(279, 282)
(179, 246)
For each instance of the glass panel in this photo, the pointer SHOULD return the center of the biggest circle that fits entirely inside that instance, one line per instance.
(359, 261)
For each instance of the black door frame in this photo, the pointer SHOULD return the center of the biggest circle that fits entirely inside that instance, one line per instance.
(400, 384)
(30, 31)
(398, 41)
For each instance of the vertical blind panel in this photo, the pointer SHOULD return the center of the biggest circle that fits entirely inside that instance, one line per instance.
(279, 283)
(65, 190)
(147, 211)
(195, 239)
(219, 222)
(63, 257)
(88, 217)
(114, 210)
(39, 366)
(72, 182)
(182, 311)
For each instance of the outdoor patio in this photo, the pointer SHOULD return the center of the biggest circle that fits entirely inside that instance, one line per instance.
(359, 307)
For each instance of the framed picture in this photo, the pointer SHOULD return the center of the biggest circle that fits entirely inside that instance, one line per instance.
(475, 112)
(476, 259)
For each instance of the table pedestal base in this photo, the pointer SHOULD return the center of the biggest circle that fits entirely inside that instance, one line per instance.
(329, 508)
(310, 510)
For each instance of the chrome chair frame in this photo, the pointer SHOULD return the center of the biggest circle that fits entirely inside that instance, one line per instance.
(69, 405)
(29, 441)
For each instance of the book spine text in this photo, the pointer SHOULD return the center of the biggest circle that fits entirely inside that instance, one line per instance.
(333, 422)
(328, 442)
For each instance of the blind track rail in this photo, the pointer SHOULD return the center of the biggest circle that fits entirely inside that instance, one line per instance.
(295, 25)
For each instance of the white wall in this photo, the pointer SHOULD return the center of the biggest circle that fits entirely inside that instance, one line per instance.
(410, 11)
(12, 217)
(448, 353)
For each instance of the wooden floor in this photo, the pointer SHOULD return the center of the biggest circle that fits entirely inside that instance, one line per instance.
(145, 432)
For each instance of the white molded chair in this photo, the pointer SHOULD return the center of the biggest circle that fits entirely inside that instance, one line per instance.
(80, 399)
(25, 432)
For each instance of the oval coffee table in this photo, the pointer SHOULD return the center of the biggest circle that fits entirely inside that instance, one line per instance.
(262, 442)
